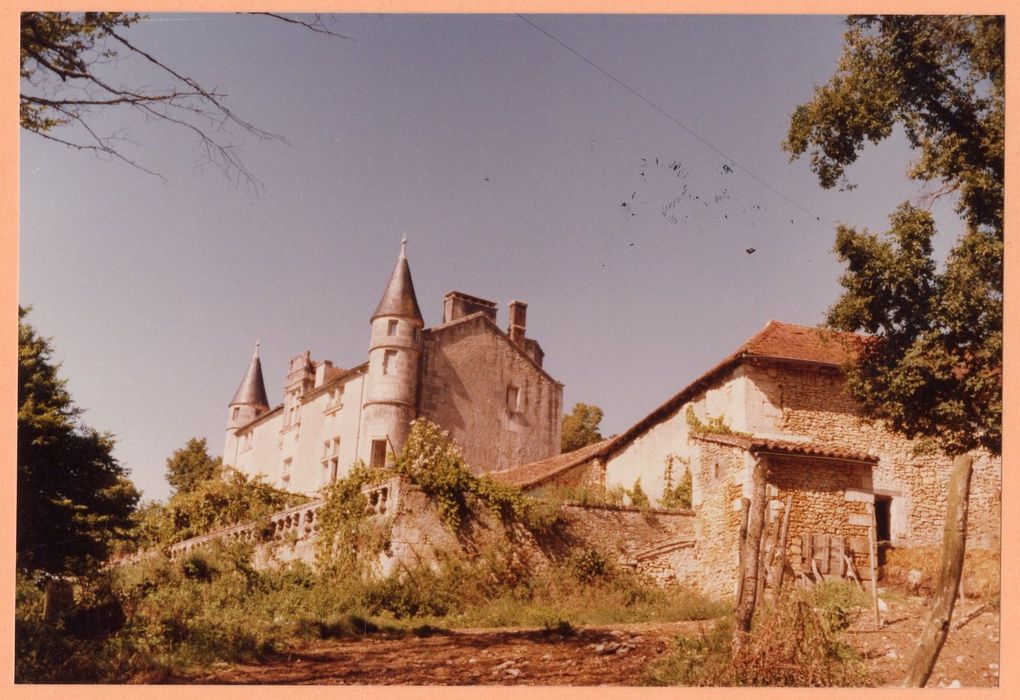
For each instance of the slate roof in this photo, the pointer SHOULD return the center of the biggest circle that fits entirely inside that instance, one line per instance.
(755, 443)
(535, 473)
(252, 390)
(399, 298)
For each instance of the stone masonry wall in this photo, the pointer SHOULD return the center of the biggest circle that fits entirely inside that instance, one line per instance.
(719, 474)
(811, 402)
(467, 368)
(825, 495)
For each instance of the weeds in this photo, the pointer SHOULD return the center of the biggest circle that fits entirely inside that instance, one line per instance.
(794, 642)
(981, 571)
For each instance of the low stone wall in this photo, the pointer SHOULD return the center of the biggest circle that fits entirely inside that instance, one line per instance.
(659, 545)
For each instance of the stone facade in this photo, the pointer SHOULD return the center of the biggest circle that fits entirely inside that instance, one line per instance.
(483, 385)
(781, 398)
(496, 401)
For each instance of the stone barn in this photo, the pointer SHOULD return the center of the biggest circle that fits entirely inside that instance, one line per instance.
(779, 397)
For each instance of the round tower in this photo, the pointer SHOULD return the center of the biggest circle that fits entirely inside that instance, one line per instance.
(249, 402)
(391, 387)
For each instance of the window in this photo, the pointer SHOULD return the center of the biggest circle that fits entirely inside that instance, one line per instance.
(513, 399)
(389, 363)
(285, 471)
(336, 398)
(391, 327)
(378, 454)
(237, 412)
(330, 460)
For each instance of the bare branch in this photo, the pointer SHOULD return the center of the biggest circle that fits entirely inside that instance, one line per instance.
(100, 147)
(315, 26)
(193, 84)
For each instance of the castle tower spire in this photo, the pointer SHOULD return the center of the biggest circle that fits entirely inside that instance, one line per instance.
(399, 299)
(391, 388)
(249, 402)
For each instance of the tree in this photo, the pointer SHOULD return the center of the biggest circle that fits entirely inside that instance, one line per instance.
(74, 498)
(225, 498)
(190, 465)
(581, 427)
(68, 75)
(932, 364)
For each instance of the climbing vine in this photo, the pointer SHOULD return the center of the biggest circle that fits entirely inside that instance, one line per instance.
(715, 426)
(680, 495)
(346, 537)
(433, 461)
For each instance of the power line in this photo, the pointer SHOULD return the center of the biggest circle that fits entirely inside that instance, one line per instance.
(668, 116)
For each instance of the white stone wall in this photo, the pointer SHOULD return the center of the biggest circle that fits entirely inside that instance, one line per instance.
(264, 448)
(645, 457)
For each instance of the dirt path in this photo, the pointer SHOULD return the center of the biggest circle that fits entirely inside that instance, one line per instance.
(970, 656)
(590, 656)
(615, 655)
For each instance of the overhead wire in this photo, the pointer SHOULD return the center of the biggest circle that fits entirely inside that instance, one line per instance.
(669, 116)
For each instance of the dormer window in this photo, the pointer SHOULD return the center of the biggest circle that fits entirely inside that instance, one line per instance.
(336, 398)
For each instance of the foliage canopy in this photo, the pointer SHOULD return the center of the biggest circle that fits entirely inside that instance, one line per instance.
(580, 427)
(74, 498)
(190, 465)
(933, 364)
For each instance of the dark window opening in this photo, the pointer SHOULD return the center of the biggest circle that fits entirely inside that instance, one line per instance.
(883, 526)
(378, 454)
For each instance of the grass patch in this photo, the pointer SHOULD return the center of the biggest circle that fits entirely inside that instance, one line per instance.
(214, 606)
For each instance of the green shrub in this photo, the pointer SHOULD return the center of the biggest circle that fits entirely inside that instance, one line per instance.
(637, 495)
(590, 564)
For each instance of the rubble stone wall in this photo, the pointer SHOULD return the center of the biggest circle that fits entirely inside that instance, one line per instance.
(810, 402)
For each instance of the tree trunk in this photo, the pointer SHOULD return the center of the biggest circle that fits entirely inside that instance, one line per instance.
(954, 541)
(745, 605)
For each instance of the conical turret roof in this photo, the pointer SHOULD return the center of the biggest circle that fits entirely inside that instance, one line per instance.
(399, 298)
(252, 390)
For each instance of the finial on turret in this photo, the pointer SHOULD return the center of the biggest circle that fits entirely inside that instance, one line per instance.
(258, 342)
(403, 246)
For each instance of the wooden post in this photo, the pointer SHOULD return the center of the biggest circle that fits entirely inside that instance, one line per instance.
(954, 544)
(780, 559)
(769, 553)
(756, 519)
(745, 505)
(873, 561)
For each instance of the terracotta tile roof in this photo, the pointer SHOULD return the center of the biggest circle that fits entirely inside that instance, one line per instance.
(807, 343)
(776, 341)
(755, 443)
(536, 472)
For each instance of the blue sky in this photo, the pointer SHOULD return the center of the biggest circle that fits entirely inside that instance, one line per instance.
(518, 169)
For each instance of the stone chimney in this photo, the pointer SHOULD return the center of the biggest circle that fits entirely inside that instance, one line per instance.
(518, 321)
(458, 305)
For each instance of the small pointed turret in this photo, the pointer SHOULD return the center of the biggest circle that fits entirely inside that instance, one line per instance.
(249, 402)
(399, 298)
(252, 391)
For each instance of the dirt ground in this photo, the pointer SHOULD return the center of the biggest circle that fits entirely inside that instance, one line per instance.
(615, 655)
